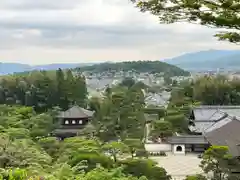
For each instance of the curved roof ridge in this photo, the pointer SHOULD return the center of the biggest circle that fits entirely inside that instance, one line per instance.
(217, 107)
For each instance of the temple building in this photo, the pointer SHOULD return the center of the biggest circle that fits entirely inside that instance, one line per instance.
(209, 125)
(72, 121)
(219, 125)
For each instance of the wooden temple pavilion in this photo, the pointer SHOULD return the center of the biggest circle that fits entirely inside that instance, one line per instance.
(72, 121)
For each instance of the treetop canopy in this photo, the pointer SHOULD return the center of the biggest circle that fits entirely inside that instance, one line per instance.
(223, 14)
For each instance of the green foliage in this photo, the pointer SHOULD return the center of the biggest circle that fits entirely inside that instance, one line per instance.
(217, 91)
(196, 177)
(179, 122)
(162, 129)
(92, 160)
(22, 153)
(22, 122)
(219, 14)
(155, 110)
(16, 174)
(128, 82)
(218, 161)
(28, 152)
(138, 67)
(43, 90)
(115, 149)
(134, 145)
(144, 167)
(103, 174)
(119, 115)
(51, 145)
(208, 91)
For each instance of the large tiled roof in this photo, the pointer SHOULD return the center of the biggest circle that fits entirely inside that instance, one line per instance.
(188, 139)
(207, 113)
(220, 125)
(76, 112)
(226, 135)
(201, 126)
(208, 118)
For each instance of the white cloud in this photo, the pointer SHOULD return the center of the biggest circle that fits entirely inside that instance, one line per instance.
(77, 30)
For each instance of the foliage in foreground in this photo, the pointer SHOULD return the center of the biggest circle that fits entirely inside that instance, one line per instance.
(218, 13)
(25, 153)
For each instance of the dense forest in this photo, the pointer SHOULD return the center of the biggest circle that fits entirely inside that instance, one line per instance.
(27, 150)
(209, 90)
(43, 89)
(137, 66)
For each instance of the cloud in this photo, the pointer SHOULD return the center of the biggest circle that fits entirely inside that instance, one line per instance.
(42, 4)
(99, 29)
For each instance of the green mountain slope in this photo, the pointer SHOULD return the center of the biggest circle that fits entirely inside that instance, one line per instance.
(137, 66)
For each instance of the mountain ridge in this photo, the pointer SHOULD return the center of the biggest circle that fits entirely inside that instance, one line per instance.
(195, 61)
(207, 60)
(9, 68)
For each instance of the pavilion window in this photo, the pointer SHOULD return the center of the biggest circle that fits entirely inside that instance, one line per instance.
(66, 122)
(73, 122)
(80, 122)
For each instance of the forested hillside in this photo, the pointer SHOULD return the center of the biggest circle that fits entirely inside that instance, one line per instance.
(137, 66)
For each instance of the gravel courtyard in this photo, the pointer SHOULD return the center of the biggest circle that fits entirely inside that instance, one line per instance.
(179, 166)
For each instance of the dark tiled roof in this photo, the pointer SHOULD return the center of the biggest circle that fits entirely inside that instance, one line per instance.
(208, 118)
(208, 113)
(151, 117)
(226, 135)
(66, 131)
(188, 139)
(200, 127)
(76, 112)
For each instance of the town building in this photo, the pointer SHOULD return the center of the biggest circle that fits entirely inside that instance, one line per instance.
(209, 125)
(188, 143)
(219, 125)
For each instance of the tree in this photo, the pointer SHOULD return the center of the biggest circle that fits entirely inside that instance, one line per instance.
(179, 122)
(219, 14)
(218, 161)
(104, 174)
(134, 145)
(51, 145)
(115, 149)
(144, 167)
(89, 131)
(119, 115)
(196, 177)
(21, 153)
(128, 82)
(162, 129)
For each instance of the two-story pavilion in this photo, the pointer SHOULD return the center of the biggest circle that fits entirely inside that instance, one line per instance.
(72, 121)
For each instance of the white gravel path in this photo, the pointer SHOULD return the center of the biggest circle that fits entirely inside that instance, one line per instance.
(179, 166)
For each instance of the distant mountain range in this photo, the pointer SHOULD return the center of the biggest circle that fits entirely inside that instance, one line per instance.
(208, 60)
(197, 61)
(9, 68)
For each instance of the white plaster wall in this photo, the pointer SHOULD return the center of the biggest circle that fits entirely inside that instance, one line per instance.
(179, 152)
(158, 147)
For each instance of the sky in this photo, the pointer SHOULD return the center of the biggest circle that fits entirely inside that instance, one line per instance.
(81, 31)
